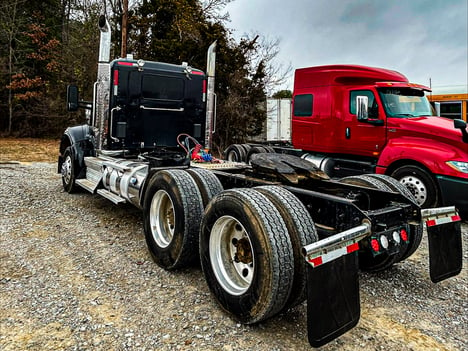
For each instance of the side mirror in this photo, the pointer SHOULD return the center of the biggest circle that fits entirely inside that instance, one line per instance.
(461, 124)
(72, 98)
(362, 108)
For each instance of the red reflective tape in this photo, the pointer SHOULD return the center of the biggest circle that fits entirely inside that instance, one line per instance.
(199, 73)
(456, 218)
(352, 247)
(317, 261)
(116, 77)
(125, 63)
(431, 223)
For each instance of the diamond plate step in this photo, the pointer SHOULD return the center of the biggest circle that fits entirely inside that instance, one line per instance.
(112, 197)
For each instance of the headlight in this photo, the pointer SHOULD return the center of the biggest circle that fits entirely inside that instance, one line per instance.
(459, 166)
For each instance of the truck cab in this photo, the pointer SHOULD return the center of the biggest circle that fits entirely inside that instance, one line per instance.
(357, 119)
(151, 103)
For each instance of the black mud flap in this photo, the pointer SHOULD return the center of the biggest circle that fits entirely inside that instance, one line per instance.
(333, 305)
(445, 244)
(445, 250)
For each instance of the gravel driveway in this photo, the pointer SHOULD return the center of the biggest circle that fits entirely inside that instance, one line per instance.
(75, 274)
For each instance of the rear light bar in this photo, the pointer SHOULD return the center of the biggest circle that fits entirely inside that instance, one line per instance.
(335, 246)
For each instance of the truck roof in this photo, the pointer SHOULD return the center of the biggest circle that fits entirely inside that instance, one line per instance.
(160, 66)
(344, 74)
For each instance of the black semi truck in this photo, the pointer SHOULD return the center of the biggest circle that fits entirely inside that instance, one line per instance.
(269, 234)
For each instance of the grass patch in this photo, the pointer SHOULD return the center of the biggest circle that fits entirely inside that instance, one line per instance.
(28, 150)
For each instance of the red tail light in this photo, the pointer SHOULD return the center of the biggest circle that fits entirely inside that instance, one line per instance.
(404, 235)
(375, 245)
(116, 77)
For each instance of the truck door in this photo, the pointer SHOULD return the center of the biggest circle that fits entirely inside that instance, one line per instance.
(364, 138)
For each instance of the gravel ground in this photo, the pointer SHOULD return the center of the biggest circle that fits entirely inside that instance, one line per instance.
(75, 274)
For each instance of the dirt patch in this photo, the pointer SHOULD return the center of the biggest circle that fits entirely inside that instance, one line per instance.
(28, 150)
(75, 274)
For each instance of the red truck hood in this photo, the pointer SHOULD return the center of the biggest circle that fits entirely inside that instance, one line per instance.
(435, 128)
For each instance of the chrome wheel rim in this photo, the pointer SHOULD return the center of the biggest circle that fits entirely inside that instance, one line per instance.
(67, 170)
(162, 218)
(231, 255)
(417, 188)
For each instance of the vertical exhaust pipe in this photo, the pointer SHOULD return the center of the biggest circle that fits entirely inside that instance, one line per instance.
(211, 96)
(102, 85)
(105, 39)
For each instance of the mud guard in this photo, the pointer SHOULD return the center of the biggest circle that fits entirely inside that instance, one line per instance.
(445, 244)
(333, 305)
(81, 140)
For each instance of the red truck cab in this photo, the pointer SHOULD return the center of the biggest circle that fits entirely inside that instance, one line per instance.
(357, 119)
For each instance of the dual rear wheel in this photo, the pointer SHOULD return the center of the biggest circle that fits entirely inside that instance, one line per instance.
(249, 240)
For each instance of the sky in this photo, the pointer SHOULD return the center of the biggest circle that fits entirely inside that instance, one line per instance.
(426, 40)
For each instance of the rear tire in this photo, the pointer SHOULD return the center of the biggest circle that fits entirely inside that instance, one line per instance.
(235, 153)
(416, 231)
(208, 184)
(367, 261)
(172, 210)
(367, 181)
(255, 150)
(246, 254)
(301, 229)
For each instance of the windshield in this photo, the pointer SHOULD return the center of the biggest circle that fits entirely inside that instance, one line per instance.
(405, 102)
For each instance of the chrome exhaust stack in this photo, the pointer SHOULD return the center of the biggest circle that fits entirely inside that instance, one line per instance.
(102, 84)
(105, 39)
(210, 124)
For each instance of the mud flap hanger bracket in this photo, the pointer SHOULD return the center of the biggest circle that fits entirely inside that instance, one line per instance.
(333, 305)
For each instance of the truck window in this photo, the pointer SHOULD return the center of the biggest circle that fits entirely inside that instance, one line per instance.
(451, 109)
(160, 87)
(373, 107)
(303, 105)
(405, 102)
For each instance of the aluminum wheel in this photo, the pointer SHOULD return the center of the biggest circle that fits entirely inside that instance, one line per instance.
(231, 255)
(246, 254)
(162, 218)
(417, 188)
(172, 209)
(67, 169)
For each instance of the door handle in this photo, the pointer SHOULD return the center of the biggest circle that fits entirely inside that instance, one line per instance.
(162, 109)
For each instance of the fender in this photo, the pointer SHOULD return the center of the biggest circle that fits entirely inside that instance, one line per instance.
(429, 153)
(81, 140)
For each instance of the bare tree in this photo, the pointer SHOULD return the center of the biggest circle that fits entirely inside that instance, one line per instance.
(265, 54)
(212, 10)
(10, 26)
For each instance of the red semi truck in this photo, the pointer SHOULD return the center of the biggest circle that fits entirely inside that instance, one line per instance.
(350, 120)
